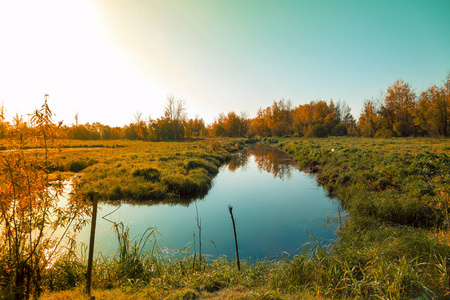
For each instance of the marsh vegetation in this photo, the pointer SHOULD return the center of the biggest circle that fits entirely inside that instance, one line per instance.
(277, 207)
(394, 242)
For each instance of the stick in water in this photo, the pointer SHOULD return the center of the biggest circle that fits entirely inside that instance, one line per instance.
(230, 208)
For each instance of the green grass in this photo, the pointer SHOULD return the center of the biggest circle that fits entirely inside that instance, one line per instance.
(394, 242)
(145, 171)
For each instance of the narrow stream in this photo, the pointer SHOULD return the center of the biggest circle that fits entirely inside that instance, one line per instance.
(277, 209)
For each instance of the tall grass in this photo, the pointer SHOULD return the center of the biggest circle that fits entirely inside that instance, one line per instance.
(324, 272)
(395, 194)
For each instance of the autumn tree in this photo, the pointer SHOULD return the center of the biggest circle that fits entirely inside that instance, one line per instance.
(231, 125)
(174, 118)
(399, 108)
(315, 119)
(433, 111)
(3, 126)
(195, 128)
(259, 125)
(140, 127)
(303, 118)
(30, 210)
(346, 124)
(275, 120)
(280, 117)
(217, 128)
(369, 121)
(85, 132)
(235, 125)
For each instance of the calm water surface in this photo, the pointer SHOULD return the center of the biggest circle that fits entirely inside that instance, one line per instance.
(276, 207)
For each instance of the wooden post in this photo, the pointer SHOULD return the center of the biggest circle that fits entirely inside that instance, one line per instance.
(340, 221)
(91, 245)
(199, 225)
(230, 208)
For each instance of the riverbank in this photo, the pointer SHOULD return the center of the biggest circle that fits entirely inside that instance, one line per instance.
(396, 191)
(137, 171)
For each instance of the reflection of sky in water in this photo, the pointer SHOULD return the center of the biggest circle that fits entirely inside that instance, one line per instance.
(274, 211)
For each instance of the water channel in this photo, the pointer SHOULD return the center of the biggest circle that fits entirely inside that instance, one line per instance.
(277, 208)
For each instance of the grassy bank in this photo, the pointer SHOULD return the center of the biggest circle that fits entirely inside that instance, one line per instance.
(394, 243)
(145, 171)
(397, 194)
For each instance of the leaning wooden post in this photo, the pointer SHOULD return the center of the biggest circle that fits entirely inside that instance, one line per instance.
(230, 208)
(340, 220)
(91, 245)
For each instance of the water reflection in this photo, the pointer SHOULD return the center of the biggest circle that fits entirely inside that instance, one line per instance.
(267, 158)
(276, 206)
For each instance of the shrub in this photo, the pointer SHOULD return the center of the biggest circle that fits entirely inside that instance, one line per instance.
(79, 165)
(385, 133)
(340, 130)
(197, 184)
(199, 163)
(318, 130)
(116, 193)
(149, 174)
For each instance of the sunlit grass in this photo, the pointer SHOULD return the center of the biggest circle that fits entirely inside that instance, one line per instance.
(145, 171)
(394, 242)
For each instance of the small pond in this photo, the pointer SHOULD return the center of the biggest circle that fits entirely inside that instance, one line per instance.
(277, 209)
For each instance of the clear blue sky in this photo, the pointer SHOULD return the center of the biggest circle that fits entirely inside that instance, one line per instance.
(107, 59)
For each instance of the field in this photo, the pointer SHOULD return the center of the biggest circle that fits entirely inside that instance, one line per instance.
(394, 242)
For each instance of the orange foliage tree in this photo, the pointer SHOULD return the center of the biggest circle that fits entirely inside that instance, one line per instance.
(30, 211)
(369, 121)
(399, 108)
(231, 125)
(275, 120)
(433, 113)
(3, 125)
(315, 119)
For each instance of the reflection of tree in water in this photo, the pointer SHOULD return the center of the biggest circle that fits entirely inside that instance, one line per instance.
(267, 158)
(239, 160)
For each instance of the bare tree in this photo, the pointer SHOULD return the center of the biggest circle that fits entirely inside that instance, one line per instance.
(175, 109)
(172, 126)
(138, 117)
(343, 112)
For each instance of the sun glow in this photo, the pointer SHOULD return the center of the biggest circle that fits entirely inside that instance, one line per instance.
(58, 48)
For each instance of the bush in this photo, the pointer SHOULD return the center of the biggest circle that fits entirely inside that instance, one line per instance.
(79, 165)
(116, 193)
(318, 130)
(340, 130)
(149, 174)
(385, 133)
(199, 163)
(197, 184)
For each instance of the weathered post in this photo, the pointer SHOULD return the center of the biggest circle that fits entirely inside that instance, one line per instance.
(199, 225)
(340, 220)
(230, 208)
(91, 245)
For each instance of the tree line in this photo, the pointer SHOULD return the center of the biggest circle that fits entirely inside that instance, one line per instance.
(401, 112)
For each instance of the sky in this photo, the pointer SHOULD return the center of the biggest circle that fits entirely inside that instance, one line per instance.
(106, 60)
